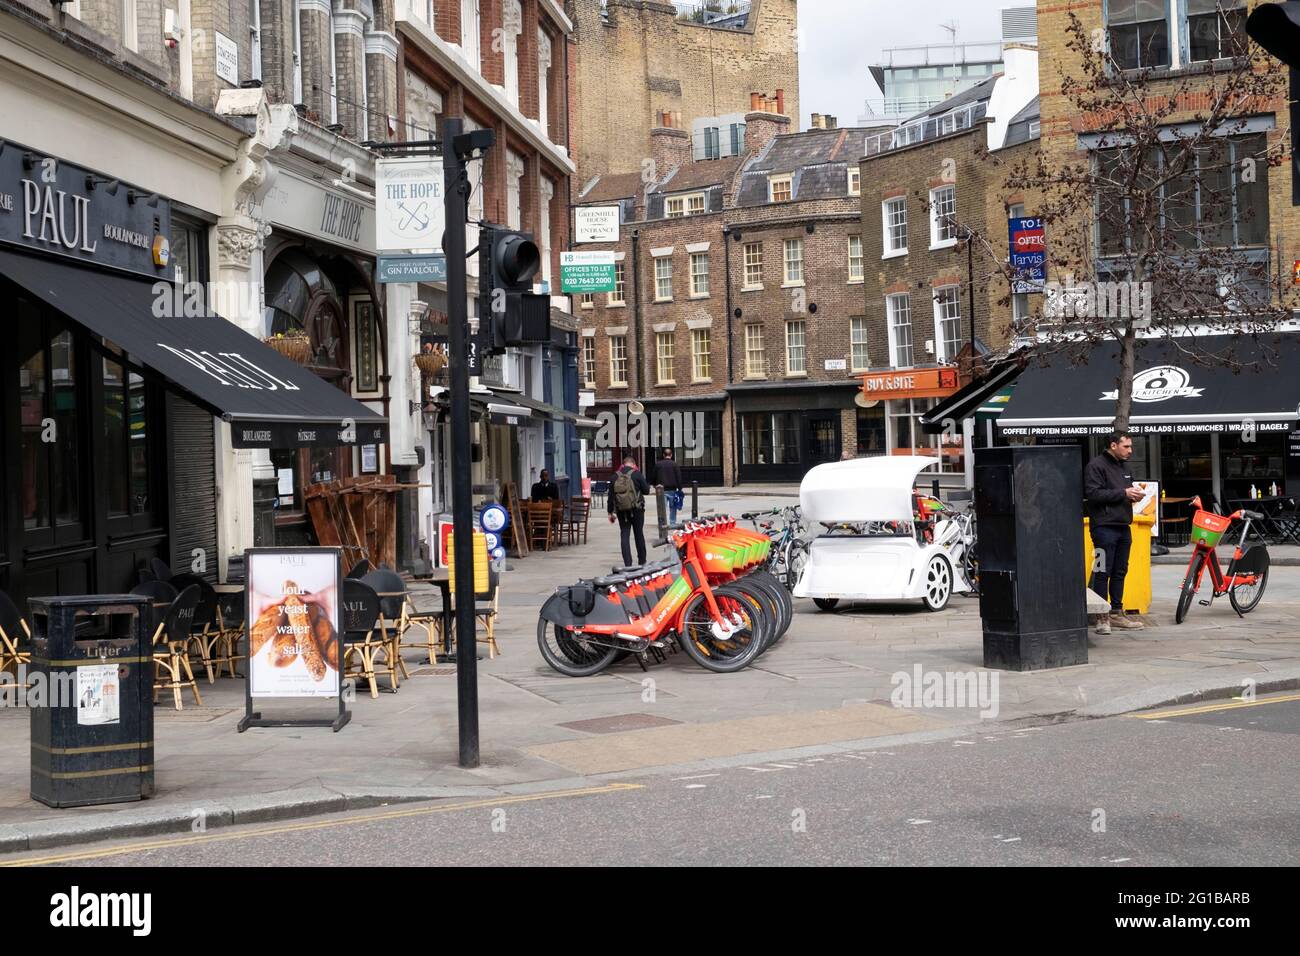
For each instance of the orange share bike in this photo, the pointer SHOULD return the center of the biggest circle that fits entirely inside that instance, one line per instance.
(1247, 572)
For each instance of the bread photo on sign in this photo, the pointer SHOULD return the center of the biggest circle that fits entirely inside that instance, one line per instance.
(322, 632)
(266, 627)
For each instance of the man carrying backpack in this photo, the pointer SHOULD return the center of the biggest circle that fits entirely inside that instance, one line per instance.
(627, 503)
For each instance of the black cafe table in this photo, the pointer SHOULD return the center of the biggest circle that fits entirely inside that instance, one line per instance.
(1281, 516)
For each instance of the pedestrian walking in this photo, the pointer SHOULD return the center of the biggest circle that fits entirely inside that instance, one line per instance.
(627, 505)
(669, 474)
(1110, 493)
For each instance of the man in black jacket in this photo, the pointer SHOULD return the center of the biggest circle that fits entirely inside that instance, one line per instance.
(1108, 487)
(627, 503)
(669, 474)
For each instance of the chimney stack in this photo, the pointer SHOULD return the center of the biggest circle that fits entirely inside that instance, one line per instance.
(670, 146)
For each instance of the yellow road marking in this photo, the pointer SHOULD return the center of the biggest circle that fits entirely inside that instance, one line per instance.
(1235, 704)
(317, 825)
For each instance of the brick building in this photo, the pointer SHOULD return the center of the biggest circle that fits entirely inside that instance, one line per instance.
(641, 59)
(738, 299)
(1181, 51)
(925, 183)
(502, 65)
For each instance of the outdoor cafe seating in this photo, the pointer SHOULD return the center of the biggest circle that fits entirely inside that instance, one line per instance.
(362, 639)
(171, 640)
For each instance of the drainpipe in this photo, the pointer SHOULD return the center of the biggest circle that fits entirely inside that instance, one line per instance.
(636, 309)
(735, 427)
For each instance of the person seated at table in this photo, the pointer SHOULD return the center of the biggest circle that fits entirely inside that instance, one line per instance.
(544, 489)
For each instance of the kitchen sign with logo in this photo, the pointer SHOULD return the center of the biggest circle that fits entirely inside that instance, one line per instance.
(47, 205)
(1159, 385)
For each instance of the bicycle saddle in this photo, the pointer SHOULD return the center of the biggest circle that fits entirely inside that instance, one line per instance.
(1252, 515)
(651, 568)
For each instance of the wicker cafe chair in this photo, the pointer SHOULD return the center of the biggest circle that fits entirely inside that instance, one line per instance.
(579, 517)
(360, 613)
(231, 611)
(171, 641)
(360, 569)
(13, 630)
(161, 570)
(205, 632)
(393, 622)
(429, 622)
(485, 612)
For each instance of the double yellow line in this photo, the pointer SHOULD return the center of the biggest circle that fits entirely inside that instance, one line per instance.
(1234, 704)
(241, 834)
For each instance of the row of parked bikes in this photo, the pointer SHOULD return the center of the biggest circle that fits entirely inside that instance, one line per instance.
(724, 595)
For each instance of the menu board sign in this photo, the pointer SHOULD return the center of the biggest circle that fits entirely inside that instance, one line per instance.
(294, 627)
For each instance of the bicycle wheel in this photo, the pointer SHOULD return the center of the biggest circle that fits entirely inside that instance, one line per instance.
(1189, 586)
(574, 655)
(1245, 597)
(796, 559)
(712, 648)
(777, 603)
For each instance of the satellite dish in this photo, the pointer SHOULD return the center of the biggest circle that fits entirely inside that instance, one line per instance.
(862, 401)
(635, 408)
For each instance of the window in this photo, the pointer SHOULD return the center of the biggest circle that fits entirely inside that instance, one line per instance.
(780, 188)
(618, 360)
(793, 261)
(52, 495)
(254, 39)
(871, 430)
(1139, 33)
(699, 274)
(1206, 207)
(893, 214)
(855, 258)
(753, 265)
(297, 53)
(130, 26)
(947, 323)
(469, 31)
(663, 278)
(664, 357)
(855, 180)
(543, 81)
(589, 361)
(712, 143)
(858, 344)
(701, 355)
(587, 300)
(675, 207)
(769, 438)
(755, 356)
(796, 360)
(943, 216)
(898, 308)
(620, 286)
(1215, 29)
(737, 138)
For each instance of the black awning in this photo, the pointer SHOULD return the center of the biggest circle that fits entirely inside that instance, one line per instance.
(270, 401)
(966, 401)
(1171, 394)
(540, 410)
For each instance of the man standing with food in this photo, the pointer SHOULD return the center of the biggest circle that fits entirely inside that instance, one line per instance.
(1110, 493)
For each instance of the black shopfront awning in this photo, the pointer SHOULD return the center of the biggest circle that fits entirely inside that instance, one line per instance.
(970, 399)
(269, 400)
(1243, 383)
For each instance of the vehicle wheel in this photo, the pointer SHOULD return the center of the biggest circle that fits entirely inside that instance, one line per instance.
(1245, 597)
(573, 655)
(723, 654)
(1189, 587)
(795, 563)
(970, 568)
(938, 583)
(826, 604)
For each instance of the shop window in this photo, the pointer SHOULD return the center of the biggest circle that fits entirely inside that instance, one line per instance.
(871, 431)
(52, 496)
(123, 462)
(769, 438)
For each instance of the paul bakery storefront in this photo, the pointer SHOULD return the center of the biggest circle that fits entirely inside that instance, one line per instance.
(1215, 429)
(105, 380)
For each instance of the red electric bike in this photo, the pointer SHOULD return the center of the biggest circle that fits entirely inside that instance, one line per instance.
(1247, 572)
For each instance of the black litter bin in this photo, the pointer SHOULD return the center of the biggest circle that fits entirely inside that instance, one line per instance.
(92, 735)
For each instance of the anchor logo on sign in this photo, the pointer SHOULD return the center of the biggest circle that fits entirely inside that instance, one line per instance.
(420, 214)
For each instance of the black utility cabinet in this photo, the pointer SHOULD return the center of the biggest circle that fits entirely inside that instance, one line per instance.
(1029, 513)
(87, 747)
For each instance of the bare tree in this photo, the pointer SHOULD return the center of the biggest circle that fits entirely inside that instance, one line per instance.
(1161, 227)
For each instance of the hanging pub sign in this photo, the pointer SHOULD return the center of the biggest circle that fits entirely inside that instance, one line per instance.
(410, 213)
(295, 619)
(50, 206)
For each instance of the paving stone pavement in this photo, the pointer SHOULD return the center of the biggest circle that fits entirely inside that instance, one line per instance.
(830, 681)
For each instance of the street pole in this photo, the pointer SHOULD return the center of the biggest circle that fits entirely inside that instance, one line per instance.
(462, 504)
(970, 285)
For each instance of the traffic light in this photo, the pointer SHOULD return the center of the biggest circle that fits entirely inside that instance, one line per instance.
(511, 313)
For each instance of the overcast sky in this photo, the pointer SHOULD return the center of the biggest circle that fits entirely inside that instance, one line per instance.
(839, 39)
